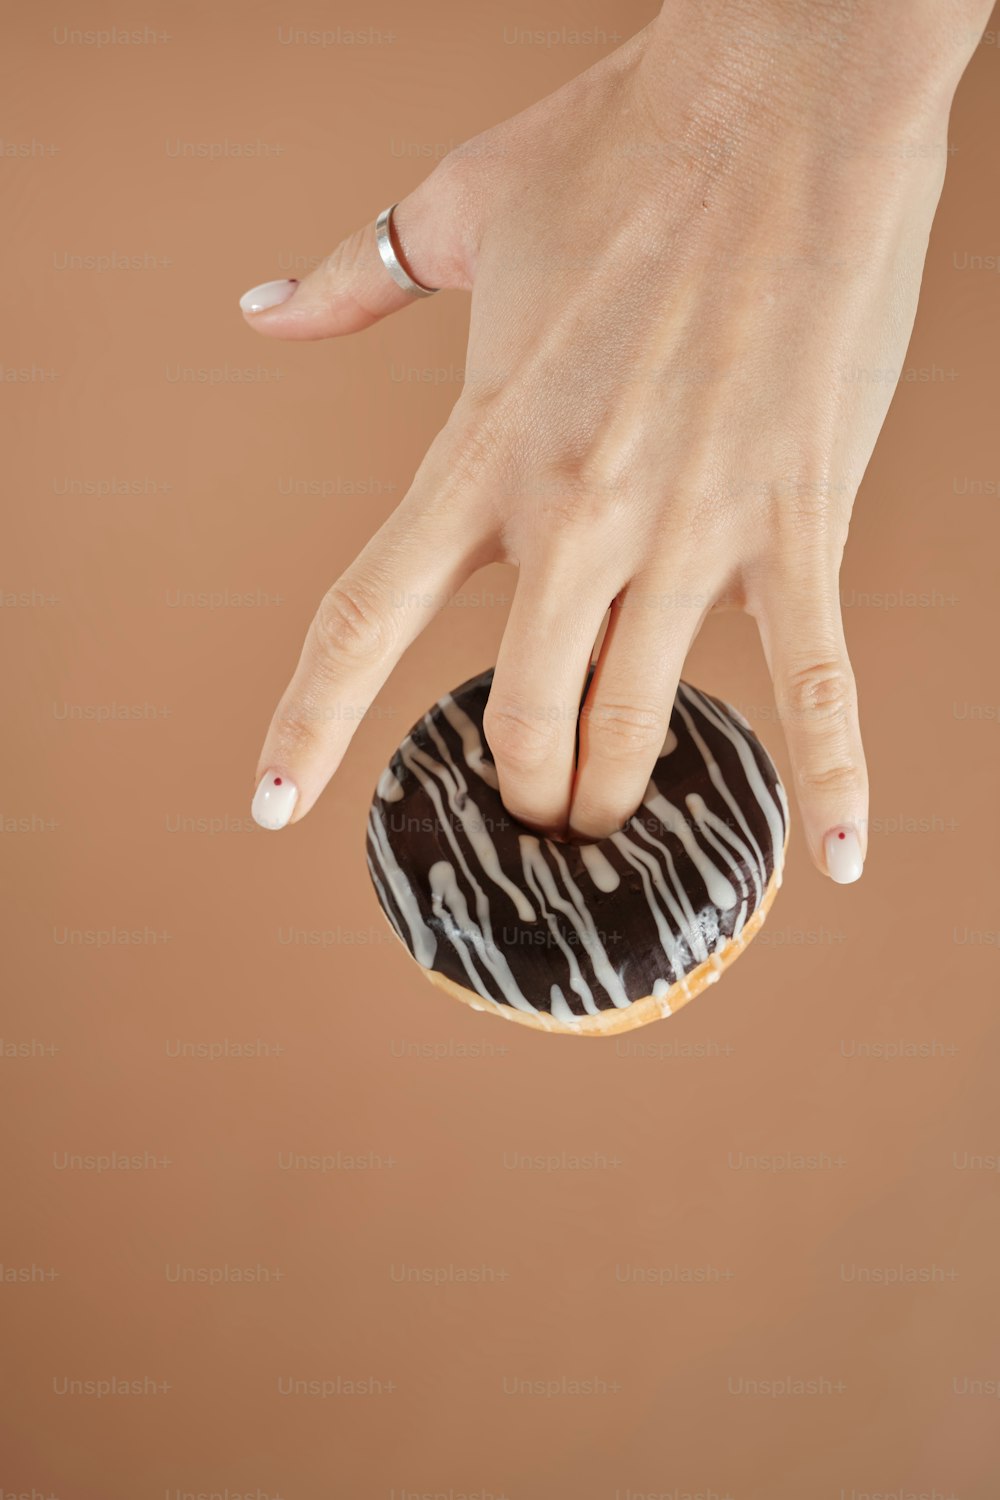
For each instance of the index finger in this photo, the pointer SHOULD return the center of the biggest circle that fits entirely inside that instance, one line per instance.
(418, 558)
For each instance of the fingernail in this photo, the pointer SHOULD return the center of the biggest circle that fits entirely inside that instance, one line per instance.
(844, 860)
(274, 800)
(268, 294)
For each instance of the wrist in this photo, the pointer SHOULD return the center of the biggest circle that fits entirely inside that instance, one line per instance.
(879, 65)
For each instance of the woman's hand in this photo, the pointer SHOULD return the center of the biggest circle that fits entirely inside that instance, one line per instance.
(694, 273)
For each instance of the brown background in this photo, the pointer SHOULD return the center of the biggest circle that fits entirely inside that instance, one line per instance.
(730, 1194)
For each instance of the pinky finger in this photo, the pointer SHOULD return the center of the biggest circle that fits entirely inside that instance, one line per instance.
(803, 637)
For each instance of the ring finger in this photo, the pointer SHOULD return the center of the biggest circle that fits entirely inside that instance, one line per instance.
(626, 716)
(534, 704)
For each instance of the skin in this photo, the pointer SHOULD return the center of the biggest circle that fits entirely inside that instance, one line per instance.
(694, 274)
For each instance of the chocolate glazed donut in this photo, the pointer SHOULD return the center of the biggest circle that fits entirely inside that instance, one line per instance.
(588, 939)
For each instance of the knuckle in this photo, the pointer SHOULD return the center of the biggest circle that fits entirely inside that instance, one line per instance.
(299, 726)
(461, 163)
(473, 443)
(608, 461)
(344, 260)
(452, 187)
(343, 274)
(814, 505)
(821, 693)
(473, 451)
(596, 817)
(449, 204)
(572, 499)
(623, 731)
(839, 780)
(350, 624)
(518, 736)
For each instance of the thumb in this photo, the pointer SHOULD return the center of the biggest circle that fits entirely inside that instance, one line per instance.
(352, 288)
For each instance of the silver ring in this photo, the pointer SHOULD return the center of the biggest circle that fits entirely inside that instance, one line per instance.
(391, 261)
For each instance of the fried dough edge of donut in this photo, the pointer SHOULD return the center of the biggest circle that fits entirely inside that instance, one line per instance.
(627, 1017)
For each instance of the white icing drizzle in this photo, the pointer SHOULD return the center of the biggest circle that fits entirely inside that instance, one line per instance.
(559, 1008)
(540, 878)
(661, 990)
(384, 901)
(472, 821)
(707, 821)
(669, 744)
(449, 906)
(577, 983)
(770, 808)
(423, 941)
(719, 889)
(447, 897)
(603, 968)
(472, 744)
(600, 869)
(647, 865)
(718, 780)
(389, 788)
(687, 920)
(474, 829)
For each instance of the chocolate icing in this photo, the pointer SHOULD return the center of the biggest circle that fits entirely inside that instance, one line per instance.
(574, 929)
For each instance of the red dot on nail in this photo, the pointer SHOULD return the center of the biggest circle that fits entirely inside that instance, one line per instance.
(841, 835)
(277, 782)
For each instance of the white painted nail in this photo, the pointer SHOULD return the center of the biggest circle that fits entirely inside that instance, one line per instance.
(268, 294)
(844, 860)
(274, 800)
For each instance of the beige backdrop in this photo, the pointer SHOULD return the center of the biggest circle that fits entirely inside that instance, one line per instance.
(279, 1218)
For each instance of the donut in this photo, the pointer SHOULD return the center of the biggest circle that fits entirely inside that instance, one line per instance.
(588, 939)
